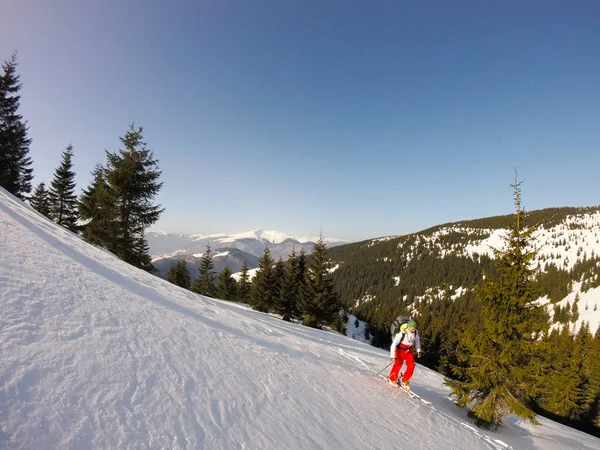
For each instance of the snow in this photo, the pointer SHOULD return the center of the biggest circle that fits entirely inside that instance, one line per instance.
(588, 306)
(356, 332)
(98, 354)
(273, 236)
(251, 274)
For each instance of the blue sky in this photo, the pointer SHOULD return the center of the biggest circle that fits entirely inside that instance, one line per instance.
(360, 119)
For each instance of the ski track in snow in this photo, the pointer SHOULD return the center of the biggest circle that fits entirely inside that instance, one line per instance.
(97, 354)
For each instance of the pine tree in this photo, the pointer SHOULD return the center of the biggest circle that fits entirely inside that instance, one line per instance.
(96, 209)
(575, 310)
(262, 294)
(205, 284)
(562, 393)
(502, 358)
(278, 277)
(179, 274)
(226, 286)
(244, 285)
(141, 254)
(132, 177)
(593, 370)
(16, 172)
(288, 298)
(62, 193)
(320, 302)
(301, 284)
(582, 354)
(39, 200)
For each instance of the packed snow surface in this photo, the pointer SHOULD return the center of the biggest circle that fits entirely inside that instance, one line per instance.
(97, 354)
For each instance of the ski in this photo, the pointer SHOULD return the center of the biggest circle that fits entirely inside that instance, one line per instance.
(407, 390)
(413, 395)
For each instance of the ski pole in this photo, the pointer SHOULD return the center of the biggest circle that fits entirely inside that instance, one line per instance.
(384, 368)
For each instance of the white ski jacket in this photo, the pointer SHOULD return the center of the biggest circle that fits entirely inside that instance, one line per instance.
(409, 340)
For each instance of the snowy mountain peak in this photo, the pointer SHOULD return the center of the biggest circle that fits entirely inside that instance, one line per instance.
(165, 245)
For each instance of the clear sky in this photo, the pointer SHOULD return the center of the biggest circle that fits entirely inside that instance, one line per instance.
(358, 118)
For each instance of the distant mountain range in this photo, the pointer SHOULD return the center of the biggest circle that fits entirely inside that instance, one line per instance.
(229, 249)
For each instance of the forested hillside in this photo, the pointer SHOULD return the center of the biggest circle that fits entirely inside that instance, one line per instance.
(432, 274)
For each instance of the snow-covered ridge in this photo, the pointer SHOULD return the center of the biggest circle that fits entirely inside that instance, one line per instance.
(272, 236)
(566, 244)
(165, 245)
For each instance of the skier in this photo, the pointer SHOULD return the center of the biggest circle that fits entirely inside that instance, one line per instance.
(401, 350)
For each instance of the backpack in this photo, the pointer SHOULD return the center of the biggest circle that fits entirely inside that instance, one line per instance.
(397, 323)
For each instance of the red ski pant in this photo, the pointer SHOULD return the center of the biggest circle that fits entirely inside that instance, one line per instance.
(401, 356)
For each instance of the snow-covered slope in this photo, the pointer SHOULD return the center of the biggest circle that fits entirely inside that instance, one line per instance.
(97, 354)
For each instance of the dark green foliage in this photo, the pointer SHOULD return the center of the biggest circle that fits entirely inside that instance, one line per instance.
(141, 254)
(63, 200)
(339, 322)
(301, 280)
(264, 289)
(205, 283)
(95, 208)
(554, 283)
(319, 301)
(39, 200)
(290, 289)
(179, 275)
(501, 355)
(562, 392)
(575, 309)
(227, 286)
(118, 204)
(592, 370)
(278, 280)
(244, 285)
(132, 175)
(562, 315)
(278, 276)
(16, 172)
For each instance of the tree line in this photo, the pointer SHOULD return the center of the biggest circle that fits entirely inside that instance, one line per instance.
(117, 207)
(113, 211)
(298, 289)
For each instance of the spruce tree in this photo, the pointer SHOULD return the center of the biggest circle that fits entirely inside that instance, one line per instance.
(226, 286)
(562, 392)
(593, 370)
(244, 285)
(301, 284)
(502, 358)
(96, 209)
(132, 176)
(16, 172)
(262, 294)
(288, 298)
(320, 302)
(39, 200)
(179, 274)
(141, 254)
(278, 276)
(205, 284)
(62, 193)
